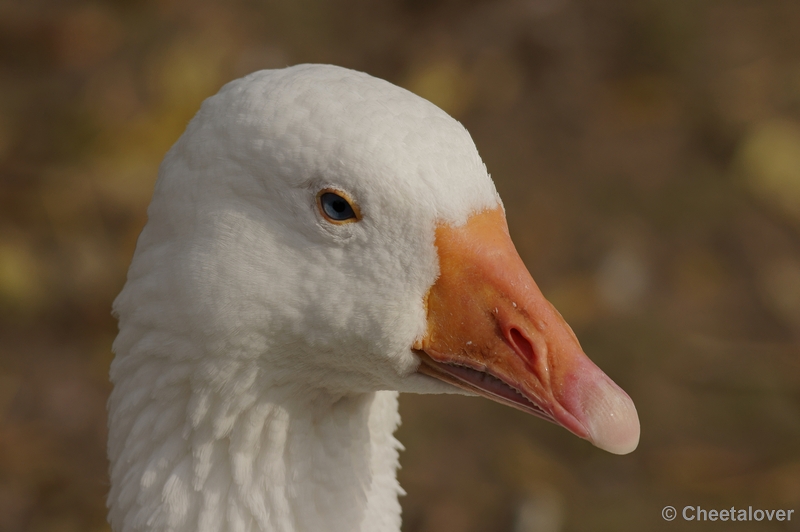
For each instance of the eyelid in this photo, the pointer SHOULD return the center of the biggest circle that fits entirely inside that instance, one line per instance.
(346, 197)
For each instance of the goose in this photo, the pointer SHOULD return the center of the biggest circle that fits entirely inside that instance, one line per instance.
(318, 241)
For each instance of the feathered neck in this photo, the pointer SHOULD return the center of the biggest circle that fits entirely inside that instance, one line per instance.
(215, 451)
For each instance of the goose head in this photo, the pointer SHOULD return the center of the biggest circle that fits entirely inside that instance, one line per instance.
(326, 232)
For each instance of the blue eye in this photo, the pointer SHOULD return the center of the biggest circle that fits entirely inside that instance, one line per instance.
(336, 208)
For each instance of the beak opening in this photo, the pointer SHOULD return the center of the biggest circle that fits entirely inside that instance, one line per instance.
(481, 383)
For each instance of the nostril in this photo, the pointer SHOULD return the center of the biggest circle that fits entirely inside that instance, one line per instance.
(521, 345)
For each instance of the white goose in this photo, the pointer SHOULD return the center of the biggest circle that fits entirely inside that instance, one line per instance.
(319, 240)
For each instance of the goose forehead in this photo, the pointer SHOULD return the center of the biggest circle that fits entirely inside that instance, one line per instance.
(330, 125)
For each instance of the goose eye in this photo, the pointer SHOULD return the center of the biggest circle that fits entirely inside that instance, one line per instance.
(336, 208)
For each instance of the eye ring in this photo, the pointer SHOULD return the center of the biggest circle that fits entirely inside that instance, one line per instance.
(337, 207)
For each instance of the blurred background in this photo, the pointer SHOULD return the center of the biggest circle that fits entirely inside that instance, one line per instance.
(648, 152)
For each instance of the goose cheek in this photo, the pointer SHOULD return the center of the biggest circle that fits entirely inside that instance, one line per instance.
(492, 332)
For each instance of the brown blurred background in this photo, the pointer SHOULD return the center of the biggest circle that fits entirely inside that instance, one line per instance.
(648, 152)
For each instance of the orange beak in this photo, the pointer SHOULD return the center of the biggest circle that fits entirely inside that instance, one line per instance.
(492, 332)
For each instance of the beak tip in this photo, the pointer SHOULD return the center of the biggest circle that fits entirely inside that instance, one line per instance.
(625, 440)
(611, 419)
